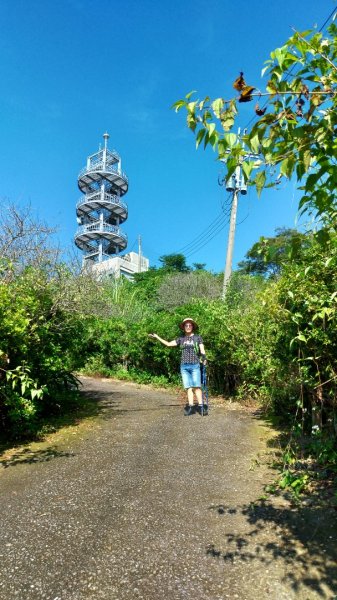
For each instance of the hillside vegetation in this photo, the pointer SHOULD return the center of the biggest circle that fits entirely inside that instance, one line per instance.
(274, 336)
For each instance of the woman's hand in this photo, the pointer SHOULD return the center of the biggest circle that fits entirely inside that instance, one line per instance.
(157, 337)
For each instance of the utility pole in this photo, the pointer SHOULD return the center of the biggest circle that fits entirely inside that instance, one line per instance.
(236, 185)
(232, 225)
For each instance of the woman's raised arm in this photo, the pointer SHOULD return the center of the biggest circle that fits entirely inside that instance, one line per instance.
(165, 342)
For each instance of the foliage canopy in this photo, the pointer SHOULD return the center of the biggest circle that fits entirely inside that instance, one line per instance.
(294, 133)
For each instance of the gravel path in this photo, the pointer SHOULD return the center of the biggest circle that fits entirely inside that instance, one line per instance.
(144, 503)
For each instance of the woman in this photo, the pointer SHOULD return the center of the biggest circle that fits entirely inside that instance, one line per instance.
(192, 346)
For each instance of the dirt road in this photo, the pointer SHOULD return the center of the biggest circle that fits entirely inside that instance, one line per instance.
(144, 503)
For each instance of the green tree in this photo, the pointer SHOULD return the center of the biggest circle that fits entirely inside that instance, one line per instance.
(174, 262)
(295, 132)
(37, 336)
(307, 297)
(267, 256)
(147, 284)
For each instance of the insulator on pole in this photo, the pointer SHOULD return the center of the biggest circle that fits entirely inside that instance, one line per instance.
(230, 184)
(243, 187)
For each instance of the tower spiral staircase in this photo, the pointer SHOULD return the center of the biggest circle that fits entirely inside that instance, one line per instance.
(101, 211)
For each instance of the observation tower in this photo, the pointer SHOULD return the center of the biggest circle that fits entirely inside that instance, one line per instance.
(101, 211)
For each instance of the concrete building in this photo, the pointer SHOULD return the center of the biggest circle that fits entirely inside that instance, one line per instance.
(122, 266)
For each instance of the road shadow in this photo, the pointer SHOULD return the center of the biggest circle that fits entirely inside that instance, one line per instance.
(100, 400)
(92, 400)
(29, 456)
(85, 404)
(302, 538)
(111, 404)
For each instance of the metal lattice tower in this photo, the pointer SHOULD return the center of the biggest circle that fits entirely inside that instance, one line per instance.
(101, 211)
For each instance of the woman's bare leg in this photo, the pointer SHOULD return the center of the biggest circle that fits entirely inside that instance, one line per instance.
(198, 394)
(190, 396)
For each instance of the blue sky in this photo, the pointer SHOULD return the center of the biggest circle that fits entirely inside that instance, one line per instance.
(73, 69)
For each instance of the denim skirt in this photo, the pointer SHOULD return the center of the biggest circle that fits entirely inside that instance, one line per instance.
(191, 375)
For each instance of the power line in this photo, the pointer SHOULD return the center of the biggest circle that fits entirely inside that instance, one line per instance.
(208, 241)
(206, 235)
(332, 14)
(213, 225)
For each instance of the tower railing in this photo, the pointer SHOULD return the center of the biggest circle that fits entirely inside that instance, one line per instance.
(102, 227)
(101, 166)
(106, 196)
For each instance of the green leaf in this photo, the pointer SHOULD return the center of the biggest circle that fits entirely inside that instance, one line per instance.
(211, 128)
(213, 139)
(190, 94)
(322, 236)
(287, 166)
(284, 167)
(37, 393)
(178, 105)
(231, 165)
(279, 54)
(217, 106)
(191, 107)
(306, 159)
(311, 181)
(206, 139)
(264, 70)
(200, 136)
(260, 181)
(254, 143)
(230, 139)
(191, 122)
(247, 168)
(302, 338)
(202, 103)
(227, 119)
(222, 148)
